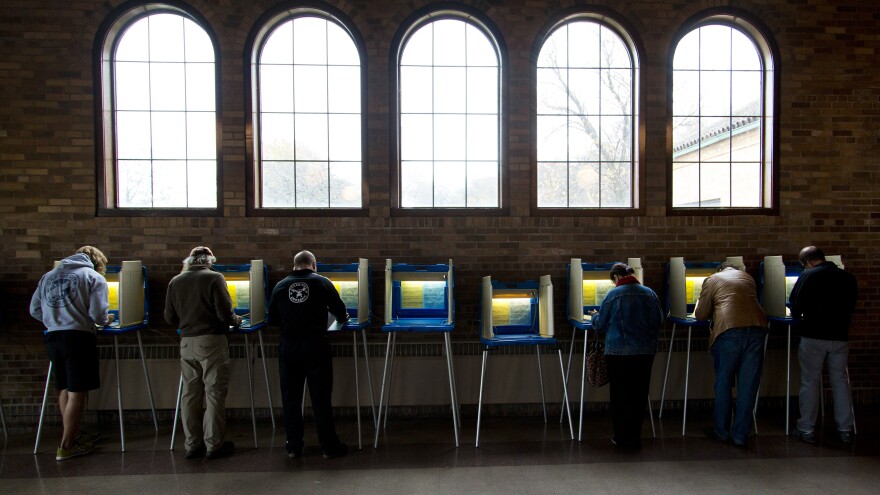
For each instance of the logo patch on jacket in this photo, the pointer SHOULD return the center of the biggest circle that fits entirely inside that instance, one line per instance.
(59, 290)
(298, 292)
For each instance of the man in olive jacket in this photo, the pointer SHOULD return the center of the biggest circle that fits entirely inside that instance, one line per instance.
(730, 299)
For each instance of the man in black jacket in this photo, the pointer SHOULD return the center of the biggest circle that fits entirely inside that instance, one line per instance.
(824, 299)
(299, 305)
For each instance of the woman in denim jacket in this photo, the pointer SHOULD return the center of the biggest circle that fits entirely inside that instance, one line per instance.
(630, 317)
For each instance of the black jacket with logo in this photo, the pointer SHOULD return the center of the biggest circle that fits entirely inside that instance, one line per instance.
(299, 304)
(824, 298)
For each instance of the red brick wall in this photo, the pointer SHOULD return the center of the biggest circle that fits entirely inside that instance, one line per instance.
(828, 159)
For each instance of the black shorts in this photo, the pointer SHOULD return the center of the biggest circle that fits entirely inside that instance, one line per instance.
(74, 356)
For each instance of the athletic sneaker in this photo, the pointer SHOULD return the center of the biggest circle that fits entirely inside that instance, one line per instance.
(86, 437)
(77, 450)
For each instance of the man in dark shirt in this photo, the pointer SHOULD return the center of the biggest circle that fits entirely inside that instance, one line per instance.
(299, 305)
(198, 303)
(823, 299)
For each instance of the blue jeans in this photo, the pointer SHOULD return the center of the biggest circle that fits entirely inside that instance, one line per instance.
(739, 357)
(812, 354)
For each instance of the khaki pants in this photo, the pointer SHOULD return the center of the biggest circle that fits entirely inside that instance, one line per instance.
(204, 364)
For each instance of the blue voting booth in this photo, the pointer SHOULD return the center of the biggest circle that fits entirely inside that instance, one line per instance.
(418, 299)
(588, 284)
(127, 293)
(248, 287)
(518, 314)
(352, 281)
(684, 281)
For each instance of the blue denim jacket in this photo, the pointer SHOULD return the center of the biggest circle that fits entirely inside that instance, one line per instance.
(631, 317)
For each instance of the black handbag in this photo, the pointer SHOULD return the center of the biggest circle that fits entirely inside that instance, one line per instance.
(597, 371)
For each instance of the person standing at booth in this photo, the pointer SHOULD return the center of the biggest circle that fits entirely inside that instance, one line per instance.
(72, 303)
(631, 317)
(823, 299)
(299, 305)
(198, 303)
(729, 298)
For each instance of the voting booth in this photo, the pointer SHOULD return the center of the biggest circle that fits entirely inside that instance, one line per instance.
(684, 281)
(518, 314)
(127, 294)
(421, 299)
(588, 284)
(248, 288)
(352, 281)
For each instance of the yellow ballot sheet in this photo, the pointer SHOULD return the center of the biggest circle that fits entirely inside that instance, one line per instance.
(412, 295)
(500, 312)
(348, 291)
(590, 292)
(789, 284)
(113, 295)
(240, 293)
(693, 287)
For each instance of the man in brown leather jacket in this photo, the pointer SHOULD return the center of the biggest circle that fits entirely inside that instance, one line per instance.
(729, 298)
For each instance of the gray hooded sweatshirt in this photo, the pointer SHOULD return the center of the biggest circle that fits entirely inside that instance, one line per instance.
(73, 296)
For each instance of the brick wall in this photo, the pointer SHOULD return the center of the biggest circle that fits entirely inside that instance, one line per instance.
(828, 158)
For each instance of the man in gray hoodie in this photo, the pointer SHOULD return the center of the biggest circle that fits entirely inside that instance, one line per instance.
(72, 303)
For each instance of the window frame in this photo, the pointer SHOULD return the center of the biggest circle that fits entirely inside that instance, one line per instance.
(108, 37)
(262, 29)
(408, 27)
(625, 30)
(768, 51)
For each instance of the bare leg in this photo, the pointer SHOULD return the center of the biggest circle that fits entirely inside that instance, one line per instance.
(72, 405)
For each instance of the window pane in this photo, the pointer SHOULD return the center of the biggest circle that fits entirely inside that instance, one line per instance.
(169, 136)
(345, 185)
(133, 135)
(583, 188)
(552, 139)
(310, 41)
(746, 145)
(583, 138)
(552, 184)
(312, 185)
(746, 93)
(582, 36)
(585, 89)
(745, 187)
(279, 180)
(416, 88)
(345, 137)
(277, 137)
(450, 89)
(715, 48)
(449, 184)
(418, 49)
(617, 184)
(276, 88)
(687, 52)
(686, 185)
(166, 38)
(686, 93)
(278, 48)
(341, 49)
(134, 43)
(617, 92)
(482, 90)
(417, 137)
(169, 184)
(344, 90)
(615, 53)
(202, 180)
(311, 137)
(482, 184)
(198, 45)
(135, 183)
(450, 137)
(417, 184)
(310, 85)
(131, 86)
(200, 87)
(167, 87)
(715, 139)
(745, 54)
(617, 138)
(449, 43)
(685, 138)
(482, 138)
(715, 184)
(715, 93)
(479, 50)
(552, 95)
(201, 136)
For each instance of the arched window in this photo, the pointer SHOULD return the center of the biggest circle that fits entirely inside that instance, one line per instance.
(723, 123)
(587, 116)
(306, 110)
(448, 101)
(159, 119)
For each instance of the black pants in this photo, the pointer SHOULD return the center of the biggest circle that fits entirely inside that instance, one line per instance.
(630, 380)
(301, 359)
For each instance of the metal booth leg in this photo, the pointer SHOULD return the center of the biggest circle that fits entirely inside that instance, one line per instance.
(43, 409)
(382, 391)
(266, 376)
(147, 379)
(758, 392)
(651, 415)
(583, 382)
(565, 390)
(390, 379)
(568, 368)
(247, 357)
(687, 372)
(176, 411)
(666, 374)
(787, 379)
(357, 387)
(480, 401)
(119, 391)
(369, 376)
(541, 380)
(453, 396)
